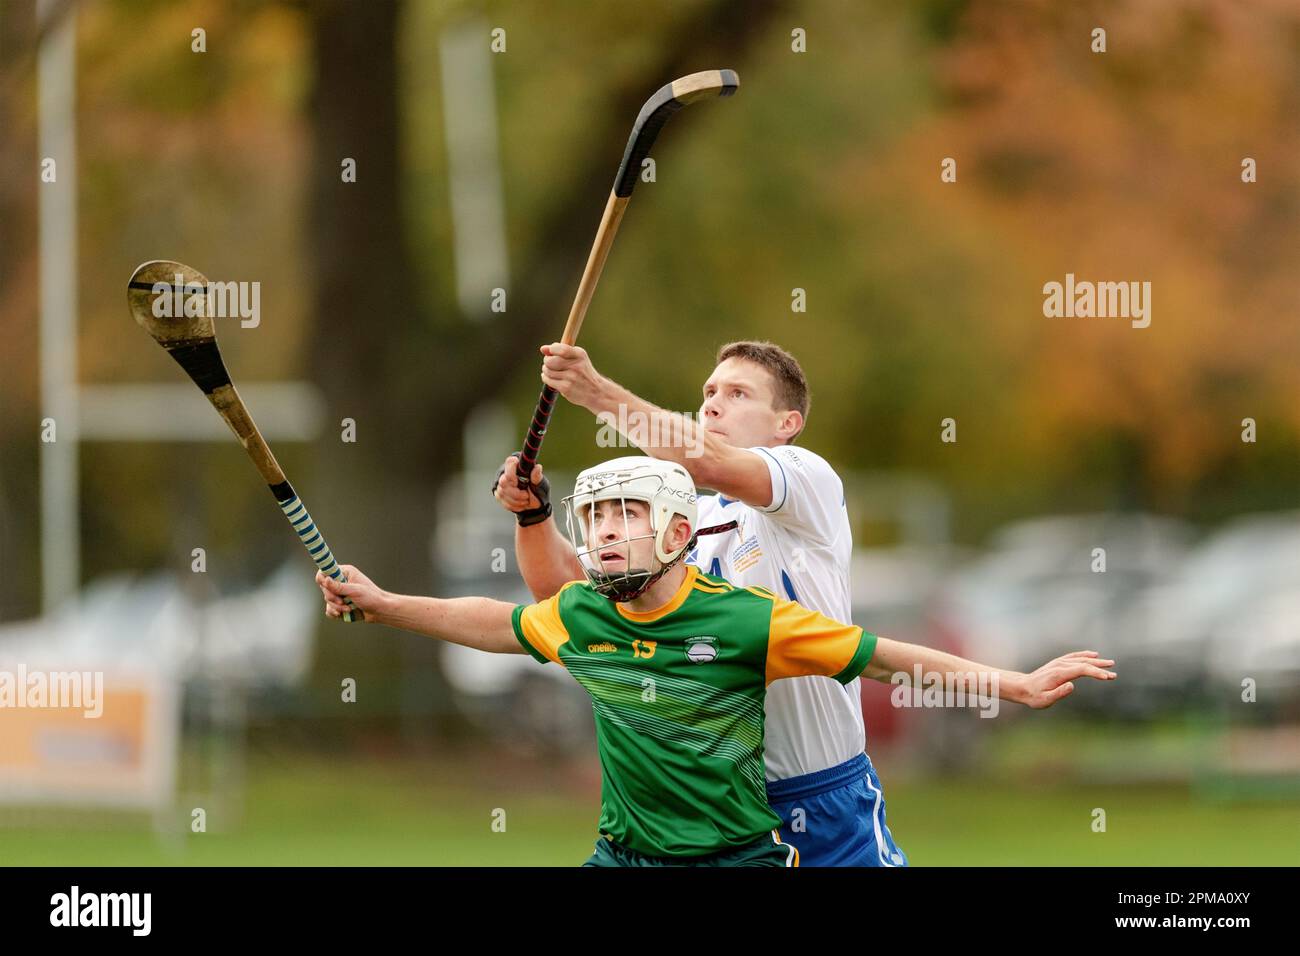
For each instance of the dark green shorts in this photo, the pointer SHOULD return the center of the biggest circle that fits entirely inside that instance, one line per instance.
(764, 851)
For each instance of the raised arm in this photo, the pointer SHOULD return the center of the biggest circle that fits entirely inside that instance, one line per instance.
(546, 559)
(545, 556)
(475, 622)
(1042, 688)
(668, 436)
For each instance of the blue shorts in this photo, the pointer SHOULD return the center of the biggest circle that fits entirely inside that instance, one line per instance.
(836, 817)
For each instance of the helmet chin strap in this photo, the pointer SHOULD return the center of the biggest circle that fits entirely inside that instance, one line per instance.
(630, 586)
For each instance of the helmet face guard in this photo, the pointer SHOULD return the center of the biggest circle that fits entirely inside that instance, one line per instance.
(626, 583)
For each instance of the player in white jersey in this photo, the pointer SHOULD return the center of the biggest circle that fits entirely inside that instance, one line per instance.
(792, 537)
(799, 548)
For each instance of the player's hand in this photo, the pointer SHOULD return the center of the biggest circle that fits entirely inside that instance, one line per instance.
(568, 370)
(367, 599)
(1054, 680)
(507, 490)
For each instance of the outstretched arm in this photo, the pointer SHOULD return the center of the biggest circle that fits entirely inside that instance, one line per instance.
(1042, 688)
(472, 621)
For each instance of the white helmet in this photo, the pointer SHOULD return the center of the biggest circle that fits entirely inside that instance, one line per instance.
(666, 489)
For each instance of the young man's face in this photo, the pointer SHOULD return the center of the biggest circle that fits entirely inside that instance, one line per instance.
(737, 407)
(612, 538)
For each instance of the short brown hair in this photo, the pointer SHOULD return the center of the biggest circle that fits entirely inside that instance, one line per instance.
(790, 389)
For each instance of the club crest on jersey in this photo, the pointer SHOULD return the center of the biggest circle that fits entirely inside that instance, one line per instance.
(701, 650)
(748, 554)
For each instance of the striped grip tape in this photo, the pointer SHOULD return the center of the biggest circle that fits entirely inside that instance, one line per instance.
(313, 541)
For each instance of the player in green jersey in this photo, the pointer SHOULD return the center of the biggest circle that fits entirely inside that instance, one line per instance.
(676, 663)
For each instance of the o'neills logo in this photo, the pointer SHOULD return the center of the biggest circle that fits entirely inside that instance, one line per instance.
(604, 647)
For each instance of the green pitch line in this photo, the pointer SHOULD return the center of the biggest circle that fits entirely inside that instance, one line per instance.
(348, 811)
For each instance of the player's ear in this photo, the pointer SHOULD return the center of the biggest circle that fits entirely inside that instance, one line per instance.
(678, 534)
(791, 424)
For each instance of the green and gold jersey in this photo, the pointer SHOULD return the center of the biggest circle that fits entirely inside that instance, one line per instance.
(678, 698)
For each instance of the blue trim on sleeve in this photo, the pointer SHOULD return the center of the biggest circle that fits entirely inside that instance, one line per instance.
(785, 482)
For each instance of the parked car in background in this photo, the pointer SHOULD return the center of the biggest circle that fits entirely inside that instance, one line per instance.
(1040, 591)
(1232, 612)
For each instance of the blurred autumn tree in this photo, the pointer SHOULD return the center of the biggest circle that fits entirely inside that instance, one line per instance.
(1125, 165)
(18, 428)
(412, 368)
(924, 298)
(230, 159)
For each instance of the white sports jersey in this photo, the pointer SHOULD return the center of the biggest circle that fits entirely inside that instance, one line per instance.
(798, 548)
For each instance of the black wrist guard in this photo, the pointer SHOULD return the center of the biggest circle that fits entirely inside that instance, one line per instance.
(530, 516)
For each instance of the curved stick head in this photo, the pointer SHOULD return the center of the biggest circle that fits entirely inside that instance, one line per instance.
(159, 293)
(666, 101)
(696, 86)
(170, 302)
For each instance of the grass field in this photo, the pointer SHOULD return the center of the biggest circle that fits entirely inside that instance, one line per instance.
(439, 811)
